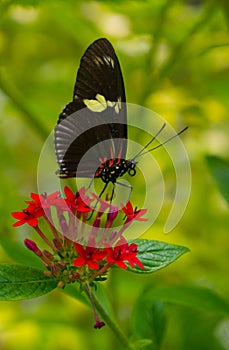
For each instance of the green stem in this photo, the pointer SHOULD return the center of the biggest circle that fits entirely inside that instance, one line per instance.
(51, 225)
(111, 323)
(45, 239)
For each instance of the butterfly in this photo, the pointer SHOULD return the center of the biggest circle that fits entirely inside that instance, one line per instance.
(91, 133)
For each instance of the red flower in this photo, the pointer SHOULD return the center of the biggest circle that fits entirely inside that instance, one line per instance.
(133, 214)
(29, 216)
(77, 202)
(123, 252)
(112, 214)
(88, 256)
(44, 201)
(131, 255)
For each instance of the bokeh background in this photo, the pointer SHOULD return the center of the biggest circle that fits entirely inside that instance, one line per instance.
(174, 57)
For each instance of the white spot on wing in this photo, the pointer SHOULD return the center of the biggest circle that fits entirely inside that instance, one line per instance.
(105, 60)
(109, 61)
(98, 61)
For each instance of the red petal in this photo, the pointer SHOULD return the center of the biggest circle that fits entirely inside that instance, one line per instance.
(33, 222)
(19, 215)
(61, 203)
(69, 194)
(93, 264)
(121, 264)
(82, 192)
(54, 195)
(79, 248)
(138, 262)
(133, 247)
(109, 251)
(122, 243)
(36, 198)
(19, 223)
(139, 214)
(110, 259)
(79, 261)
(129, 207)
(99, 255)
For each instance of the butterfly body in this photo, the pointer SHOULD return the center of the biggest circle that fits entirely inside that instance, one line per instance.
(111, 170)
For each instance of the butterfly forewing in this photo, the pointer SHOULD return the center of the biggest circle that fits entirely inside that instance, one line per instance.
(99, 100)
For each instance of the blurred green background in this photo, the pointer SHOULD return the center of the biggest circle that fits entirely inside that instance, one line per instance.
(175, 60)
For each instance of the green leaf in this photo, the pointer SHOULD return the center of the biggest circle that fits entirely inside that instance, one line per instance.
(19, 282)
(149, 320)
(220, 170)
(195, 297)
(155, 255)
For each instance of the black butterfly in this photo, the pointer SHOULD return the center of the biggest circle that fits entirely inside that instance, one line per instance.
(92, 142)
(99, 98)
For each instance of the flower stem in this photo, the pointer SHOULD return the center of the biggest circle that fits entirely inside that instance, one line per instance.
(111, 323)
(48, 219)
(45, 239)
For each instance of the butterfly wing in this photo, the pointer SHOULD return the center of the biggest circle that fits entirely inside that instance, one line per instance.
(99, 100)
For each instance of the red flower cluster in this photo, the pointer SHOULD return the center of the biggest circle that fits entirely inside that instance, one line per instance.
(74, 244)
(99, 258)
(77, 203)
(84, 242)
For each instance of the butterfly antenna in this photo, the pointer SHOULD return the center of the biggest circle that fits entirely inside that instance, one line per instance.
(147, 145)
(161, 144)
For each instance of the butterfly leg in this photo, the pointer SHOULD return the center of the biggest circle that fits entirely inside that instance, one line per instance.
(100, 195)
(127, 186)
(112, 193)
(89, 186)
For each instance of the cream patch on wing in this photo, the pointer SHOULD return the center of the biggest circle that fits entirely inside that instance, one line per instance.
(100, 104)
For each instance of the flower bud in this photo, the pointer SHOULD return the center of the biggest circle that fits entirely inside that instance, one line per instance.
(57, 244)
(48, 254)
(33, 247)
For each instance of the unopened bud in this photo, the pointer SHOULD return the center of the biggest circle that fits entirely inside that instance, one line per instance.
(48, 254)
(61, 284)
(61, 265)
(33, 247)
(48, 273)
(57, 244)
(54, 270)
